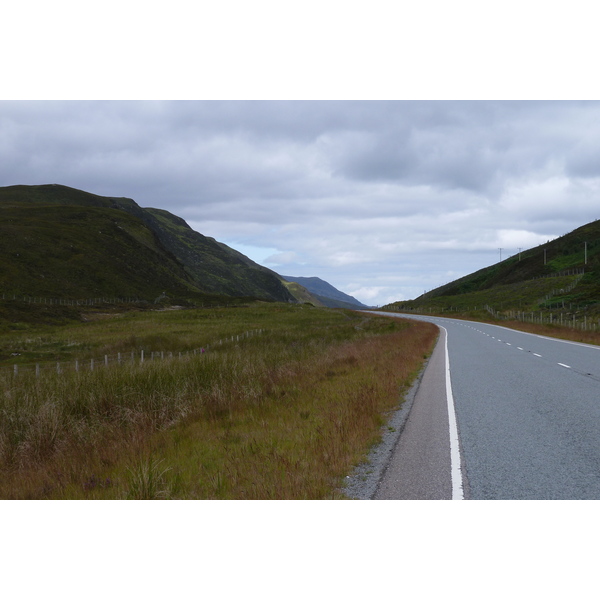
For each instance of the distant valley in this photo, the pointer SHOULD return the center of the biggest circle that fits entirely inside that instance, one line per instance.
(325, 293)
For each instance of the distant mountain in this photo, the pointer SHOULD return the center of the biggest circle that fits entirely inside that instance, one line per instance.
(62, 242)
(325, 293)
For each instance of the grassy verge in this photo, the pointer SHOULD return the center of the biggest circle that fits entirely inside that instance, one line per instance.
(282, 415)
(563, 332)
(557, 331)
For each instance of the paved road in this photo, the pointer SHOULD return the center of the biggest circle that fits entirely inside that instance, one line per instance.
(528, 417)
(421, 467)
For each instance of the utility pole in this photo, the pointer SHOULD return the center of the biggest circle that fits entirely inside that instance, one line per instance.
(500, 254)
(585, 254)
(520, 254)
(544, 255)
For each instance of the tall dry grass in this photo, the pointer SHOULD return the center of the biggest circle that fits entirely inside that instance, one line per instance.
(285, 415)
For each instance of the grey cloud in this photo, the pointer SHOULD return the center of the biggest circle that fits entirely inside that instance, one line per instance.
(473, 146)
(584, 159)
(364, 194)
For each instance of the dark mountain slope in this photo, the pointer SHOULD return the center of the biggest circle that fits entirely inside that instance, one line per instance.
(81, 252)
(58, 241)
(213, 266)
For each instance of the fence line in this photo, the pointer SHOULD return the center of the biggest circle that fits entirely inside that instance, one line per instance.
(556, 318)
(547, 318)
(552, 318)
(565, 290)
(70, 302)
(97, 301)
(565, 273)
(121, 358)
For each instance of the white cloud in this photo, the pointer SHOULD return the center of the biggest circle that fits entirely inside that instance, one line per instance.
(367, 293)
(512, 239)
(282, 258)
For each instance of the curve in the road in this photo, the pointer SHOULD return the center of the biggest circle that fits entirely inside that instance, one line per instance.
(527, 413)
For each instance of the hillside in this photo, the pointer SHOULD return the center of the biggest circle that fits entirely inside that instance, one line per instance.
(325, 293)
(301, 294)
(60, 242)
(214, 266)
(561, 274)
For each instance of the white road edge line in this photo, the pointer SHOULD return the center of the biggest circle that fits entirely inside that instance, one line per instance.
(455, 471)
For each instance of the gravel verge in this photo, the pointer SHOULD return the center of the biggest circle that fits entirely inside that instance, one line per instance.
(364, 480)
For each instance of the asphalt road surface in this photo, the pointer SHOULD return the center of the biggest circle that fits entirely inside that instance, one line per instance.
(527, 412)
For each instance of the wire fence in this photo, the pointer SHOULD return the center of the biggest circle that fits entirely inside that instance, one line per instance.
(563, 319)
(105, 300)
(69, 301)
(567, 318)
(138, 357)
(563, 273)
(561, 291)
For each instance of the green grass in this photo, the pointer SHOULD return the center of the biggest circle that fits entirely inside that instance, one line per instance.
(284, 414)
(81, 252)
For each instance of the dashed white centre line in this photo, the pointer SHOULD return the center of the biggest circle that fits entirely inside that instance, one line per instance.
(565, 366)
(537, 354)
(519, 348)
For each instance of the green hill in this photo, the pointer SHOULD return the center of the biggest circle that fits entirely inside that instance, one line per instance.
(562, 274)
(60, 242)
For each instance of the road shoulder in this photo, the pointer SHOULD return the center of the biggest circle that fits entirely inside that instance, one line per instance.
(365, 479)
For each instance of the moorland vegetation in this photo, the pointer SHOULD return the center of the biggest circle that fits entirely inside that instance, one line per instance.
(140, 359)
(284, 400)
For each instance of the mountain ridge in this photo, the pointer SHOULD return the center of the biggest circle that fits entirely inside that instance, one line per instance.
(77, 243)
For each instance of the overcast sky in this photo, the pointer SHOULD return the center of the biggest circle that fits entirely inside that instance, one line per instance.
(344, 172)
(383, 199)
